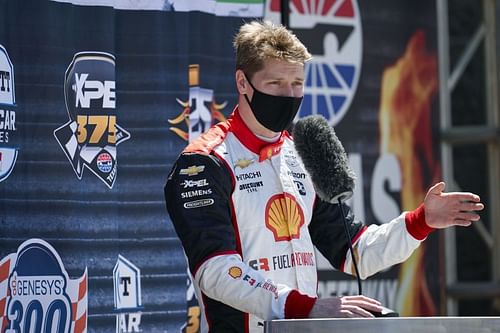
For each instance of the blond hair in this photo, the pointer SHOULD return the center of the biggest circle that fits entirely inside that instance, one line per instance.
(258, 41)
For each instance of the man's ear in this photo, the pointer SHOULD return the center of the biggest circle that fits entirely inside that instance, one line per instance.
(241, 82)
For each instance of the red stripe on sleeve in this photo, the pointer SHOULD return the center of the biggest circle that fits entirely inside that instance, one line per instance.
(298, 305)
(416, 225)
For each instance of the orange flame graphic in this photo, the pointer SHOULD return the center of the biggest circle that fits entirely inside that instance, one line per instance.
(408, 88)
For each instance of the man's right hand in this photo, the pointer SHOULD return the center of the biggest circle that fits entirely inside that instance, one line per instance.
(345, 307)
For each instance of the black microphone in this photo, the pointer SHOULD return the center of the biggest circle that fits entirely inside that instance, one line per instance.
(326, 161)
(324, 158)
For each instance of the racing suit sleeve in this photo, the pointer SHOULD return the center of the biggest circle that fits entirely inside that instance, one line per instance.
(198, 194)
(376, 247)
(327, 230)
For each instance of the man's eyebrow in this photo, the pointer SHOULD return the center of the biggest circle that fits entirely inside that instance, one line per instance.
(281, 78)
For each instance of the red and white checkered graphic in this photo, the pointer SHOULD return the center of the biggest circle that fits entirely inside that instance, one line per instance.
(77, 292)
(5, 266)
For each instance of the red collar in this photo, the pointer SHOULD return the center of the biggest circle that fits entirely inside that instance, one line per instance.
(258, 146)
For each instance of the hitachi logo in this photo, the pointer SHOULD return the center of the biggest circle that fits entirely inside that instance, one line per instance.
(249, 175)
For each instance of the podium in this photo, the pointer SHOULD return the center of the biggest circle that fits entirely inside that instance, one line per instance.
(386, 325)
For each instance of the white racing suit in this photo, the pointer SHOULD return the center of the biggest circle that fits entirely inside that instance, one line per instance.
(248, 218)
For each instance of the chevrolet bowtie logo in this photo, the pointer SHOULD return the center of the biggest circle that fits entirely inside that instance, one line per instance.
(243, 162)
(192, 170)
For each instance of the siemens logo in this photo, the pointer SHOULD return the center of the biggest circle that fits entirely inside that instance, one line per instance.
(195, 193)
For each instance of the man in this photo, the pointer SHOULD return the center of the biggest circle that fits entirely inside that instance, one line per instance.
(248, 217)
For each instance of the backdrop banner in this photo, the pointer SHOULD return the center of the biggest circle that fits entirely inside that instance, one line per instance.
(98, 98)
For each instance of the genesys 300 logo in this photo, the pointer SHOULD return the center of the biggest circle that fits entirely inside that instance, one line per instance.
(331, 30)
(36, 294)
(91, 136)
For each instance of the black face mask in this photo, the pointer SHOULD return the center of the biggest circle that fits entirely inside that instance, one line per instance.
(275, 113)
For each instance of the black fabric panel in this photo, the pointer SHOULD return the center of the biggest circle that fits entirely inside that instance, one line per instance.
(327, 230)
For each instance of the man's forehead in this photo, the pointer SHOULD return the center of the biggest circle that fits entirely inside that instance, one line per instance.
(281, 69)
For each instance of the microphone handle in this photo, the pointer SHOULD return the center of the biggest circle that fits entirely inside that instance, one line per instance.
(349, 241)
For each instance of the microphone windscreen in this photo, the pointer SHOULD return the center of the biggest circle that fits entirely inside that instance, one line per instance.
(324, 158)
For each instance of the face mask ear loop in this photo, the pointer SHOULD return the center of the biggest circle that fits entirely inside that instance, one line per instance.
(246, 95)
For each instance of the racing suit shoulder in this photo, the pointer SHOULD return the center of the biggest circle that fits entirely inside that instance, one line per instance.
(207, 142)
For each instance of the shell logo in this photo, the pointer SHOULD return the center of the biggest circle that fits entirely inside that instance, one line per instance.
(284, 217)
(235, 272)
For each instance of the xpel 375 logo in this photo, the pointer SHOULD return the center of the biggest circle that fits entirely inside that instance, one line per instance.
(91, 135)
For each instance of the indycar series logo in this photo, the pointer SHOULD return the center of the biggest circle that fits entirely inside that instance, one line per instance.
(128, 299)
(331, 31)
(91, 136)
(8, 152)
(36, 293)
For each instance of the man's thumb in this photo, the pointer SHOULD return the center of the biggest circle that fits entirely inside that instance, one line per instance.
(437, 188)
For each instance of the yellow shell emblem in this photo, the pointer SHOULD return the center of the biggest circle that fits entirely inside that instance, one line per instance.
(284, 217)
(235, 272)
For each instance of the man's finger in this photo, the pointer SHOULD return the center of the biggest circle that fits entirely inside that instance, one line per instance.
(356, 311)
(437, 188)
(362, 298)
(464, 196)
(468, 216)
(462, 223)
(470, 206)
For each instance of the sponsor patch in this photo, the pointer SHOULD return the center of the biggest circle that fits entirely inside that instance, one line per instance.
(235, 272)
(243, 163)
(290, 158)
(266, 285)
(195, 193)
(192, 170)
(251, 187)
(248, 175)
(284, 217)
(259, 264)
(283, 261)
(198, 203)
(298, 175)
(300, 187)
(194, 183)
